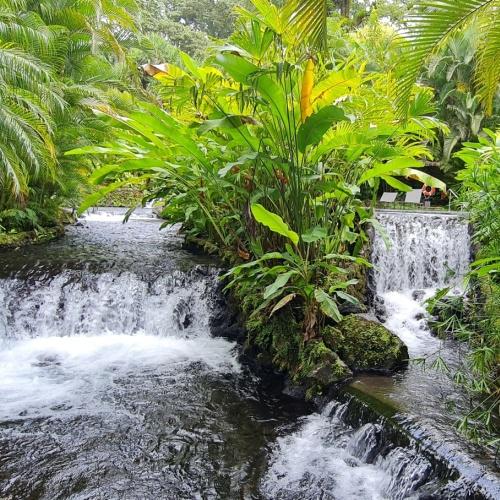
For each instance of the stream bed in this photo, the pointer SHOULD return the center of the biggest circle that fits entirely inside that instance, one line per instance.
(112, 386)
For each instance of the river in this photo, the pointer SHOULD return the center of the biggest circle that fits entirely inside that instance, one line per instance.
(113, 386)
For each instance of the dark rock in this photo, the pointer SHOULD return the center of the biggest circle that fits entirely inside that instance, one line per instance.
(182, 314)
(348, 308)
(366, 345)
(379, 309)
(418, 295)
(329, 370)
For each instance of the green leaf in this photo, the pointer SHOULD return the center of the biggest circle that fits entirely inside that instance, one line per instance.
(423, 177)
(278, 284)
(314, 128)
(400, 186)
(486, 260)
(93, 198)
(227, 122)
(327, 305)
(347, 297)
(315, 234)
(240, 161)
(491, 268)
(283, 302)
(98, 150)
(342, 284)
(394, 165)
(357, 260)
(138, 165)
(307, 21)
(267, 256)
(238, 67)
(274, 222)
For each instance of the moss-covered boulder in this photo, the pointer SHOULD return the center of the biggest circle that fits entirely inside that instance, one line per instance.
(320, 367)
(311, 366)
(280, 337)
(366, 345)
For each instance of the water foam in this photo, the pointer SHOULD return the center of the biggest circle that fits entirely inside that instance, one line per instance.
(47, 375)
(110, 214)
(315, 462)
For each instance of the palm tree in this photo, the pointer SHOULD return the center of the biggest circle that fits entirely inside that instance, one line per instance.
(432, 24)
(27, 99)
(56, 58)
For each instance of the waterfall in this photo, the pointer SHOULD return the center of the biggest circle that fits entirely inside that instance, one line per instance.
(64, 338)
(413, 255)
(425, 251)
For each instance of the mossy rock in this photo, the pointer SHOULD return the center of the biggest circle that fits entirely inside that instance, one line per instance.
(280, 336)
(23, 238)
(312, 365)
(366, 345)
(320, 367)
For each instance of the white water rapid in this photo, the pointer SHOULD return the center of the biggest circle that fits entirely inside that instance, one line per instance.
(66, 340)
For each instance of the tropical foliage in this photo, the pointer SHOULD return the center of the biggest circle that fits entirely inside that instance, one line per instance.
(266, 128)
(57, 60)
(433, 23)
(265, 152)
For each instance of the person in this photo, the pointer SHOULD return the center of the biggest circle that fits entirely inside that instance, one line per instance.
(428, 191)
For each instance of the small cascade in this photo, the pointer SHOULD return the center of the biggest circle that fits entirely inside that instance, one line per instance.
(424, 251)
(116, 214)
(64, 338)
(416, 254)
(74, 303)
(327, 458)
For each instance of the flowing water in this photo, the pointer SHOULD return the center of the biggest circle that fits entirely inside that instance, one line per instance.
(419, 254)
(112, 386)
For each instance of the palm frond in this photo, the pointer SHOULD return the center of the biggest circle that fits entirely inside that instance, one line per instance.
(430, 26)
(487, 73)
(307, 21)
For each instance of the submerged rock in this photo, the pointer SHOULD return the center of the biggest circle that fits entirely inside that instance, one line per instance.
(366, 345)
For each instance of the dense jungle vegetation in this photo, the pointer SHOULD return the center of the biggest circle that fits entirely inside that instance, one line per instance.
(268, 131)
